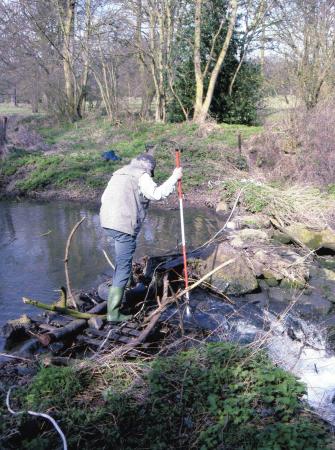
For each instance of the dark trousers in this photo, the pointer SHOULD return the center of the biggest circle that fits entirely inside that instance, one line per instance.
(125, 245)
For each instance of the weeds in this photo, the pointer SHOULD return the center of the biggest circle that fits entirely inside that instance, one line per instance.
(209, 397)
(288, 205)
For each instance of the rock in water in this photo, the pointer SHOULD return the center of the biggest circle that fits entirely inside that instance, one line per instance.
(235, 279)
(17, 328)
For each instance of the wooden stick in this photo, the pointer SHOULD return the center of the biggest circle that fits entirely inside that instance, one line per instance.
(66, 259)
(71, 329)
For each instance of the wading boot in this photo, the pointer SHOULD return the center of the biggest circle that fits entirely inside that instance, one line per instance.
(113, 305)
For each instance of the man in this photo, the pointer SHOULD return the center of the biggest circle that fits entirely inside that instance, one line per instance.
(123, 209)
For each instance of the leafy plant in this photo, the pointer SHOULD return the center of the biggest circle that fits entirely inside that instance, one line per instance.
(208, 397)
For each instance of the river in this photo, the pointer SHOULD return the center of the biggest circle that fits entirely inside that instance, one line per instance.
(33, 239)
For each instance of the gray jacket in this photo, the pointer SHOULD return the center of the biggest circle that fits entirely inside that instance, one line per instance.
(123, 208)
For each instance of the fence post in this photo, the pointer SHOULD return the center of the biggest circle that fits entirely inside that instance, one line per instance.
(239, 142)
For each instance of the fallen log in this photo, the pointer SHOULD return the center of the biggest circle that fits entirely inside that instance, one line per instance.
(71, 329)
(61, 310)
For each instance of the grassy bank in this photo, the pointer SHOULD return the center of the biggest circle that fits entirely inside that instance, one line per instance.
(73, 161)
(217, 396)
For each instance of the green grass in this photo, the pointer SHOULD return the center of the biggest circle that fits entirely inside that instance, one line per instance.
(21, 109)
(216, 396)
(79, 146)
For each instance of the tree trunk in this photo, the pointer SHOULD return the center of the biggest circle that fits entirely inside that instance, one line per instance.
(201, 106)
(84, 77)
(3, 135)
(199, 82)
(14, 97)
(67, 24)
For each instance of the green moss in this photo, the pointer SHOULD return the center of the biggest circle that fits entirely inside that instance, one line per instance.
(288, 283)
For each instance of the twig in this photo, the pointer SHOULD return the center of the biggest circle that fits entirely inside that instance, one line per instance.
(45, 234)
(66, 259)
(33, 413)
(108, 260)
(6, 355)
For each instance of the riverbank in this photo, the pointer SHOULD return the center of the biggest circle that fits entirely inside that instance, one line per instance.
(66, 162)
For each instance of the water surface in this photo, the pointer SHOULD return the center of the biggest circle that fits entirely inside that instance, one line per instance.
(33, 239)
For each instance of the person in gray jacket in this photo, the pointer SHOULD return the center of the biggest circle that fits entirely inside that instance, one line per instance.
(123, 209)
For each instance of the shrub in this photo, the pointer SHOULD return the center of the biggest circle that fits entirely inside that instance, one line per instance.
(299, 147)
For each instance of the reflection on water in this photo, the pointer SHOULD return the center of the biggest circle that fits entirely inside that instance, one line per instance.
(33, 238)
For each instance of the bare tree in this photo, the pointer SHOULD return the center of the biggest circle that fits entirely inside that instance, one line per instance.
(305, 35)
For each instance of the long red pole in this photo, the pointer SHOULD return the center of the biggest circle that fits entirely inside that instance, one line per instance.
(181, 209)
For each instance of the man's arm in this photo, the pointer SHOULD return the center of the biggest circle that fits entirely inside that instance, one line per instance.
(151, 191)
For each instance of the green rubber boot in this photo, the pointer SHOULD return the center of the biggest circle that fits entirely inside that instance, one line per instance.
(113, 305)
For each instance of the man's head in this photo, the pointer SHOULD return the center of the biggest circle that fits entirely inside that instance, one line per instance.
(148, 161)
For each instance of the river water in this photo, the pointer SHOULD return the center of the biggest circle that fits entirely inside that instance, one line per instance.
(32, 246)
(33, 239)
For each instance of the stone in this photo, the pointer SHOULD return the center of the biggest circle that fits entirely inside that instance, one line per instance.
(235, 279)
(259, 298)
(231, 225)
(272, 282)
(254, 221)
(328, 274)
(313, 239)
(327, 263)
(281, 238)
(272, 274)
(310, 305)
(17, 328)
(279, 295)
(244, 238)
(293, 283)
(222, 207)
(95, 322)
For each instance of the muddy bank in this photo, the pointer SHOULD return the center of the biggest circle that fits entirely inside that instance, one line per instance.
(196, 198)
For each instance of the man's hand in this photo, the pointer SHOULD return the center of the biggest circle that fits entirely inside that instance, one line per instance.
(178, 173)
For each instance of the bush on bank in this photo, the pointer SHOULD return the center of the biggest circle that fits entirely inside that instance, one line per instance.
(215, 396)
